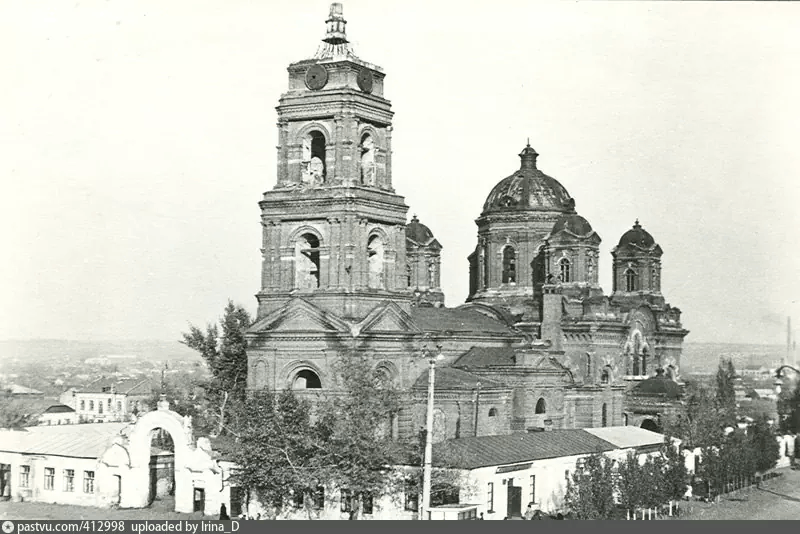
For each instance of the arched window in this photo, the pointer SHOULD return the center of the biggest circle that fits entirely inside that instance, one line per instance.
(306, 379)
(588, 365)
(624, 419)
(541, 407)
(492, 412)
(408, 275)
(375, 249)
(306, 262)
(605, 377)
(509, 265)
(564, 270)
(630, 280)
(604, 421)
(313, 163)
(644, 362)
(369, 174)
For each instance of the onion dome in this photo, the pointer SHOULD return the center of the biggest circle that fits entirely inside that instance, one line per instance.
(637, 236)
(528, 189)
(658, 386)
(572, 223)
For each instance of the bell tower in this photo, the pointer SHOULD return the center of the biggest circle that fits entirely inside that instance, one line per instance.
(333, 228)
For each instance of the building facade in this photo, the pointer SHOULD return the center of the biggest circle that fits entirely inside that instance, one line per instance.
(537, 344)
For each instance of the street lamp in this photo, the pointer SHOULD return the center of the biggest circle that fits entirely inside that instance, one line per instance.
(778, 381)
(426, 468)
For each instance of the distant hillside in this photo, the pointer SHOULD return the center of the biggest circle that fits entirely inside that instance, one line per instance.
(704, 357)
(47, 350)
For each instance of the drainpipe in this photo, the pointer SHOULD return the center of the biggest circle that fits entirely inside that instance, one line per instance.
(477, 409)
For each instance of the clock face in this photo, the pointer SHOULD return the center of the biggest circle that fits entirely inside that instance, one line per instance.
(316, 77)
(365, 80)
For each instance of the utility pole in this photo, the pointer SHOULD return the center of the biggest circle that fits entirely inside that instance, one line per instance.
(427, 467)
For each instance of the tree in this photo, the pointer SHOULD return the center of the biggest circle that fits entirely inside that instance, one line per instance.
(765, 447)
(629, 480)
(698, 423)
(226, 358)
(590, 490)
(725, 394)
(357, 425)
(276, 448)
(675, 472)
(789, 411)
(13, 414)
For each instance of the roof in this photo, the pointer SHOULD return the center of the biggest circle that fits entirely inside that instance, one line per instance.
(59, 408)
(132, 386)
(484, 451)
(450, 378)
(658, 386)
(485, 357)
(16, 389)
(572, 223)
(419, 234)
(528, 189)
(456, 320)
(626, 437)
(78, 441)
(637, 236)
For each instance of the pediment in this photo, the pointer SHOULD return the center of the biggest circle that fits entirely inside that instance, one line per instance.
(388, 317)
(299, 315)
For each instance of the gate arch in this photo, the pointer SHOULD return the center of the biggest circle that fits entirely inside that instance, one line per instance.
(136, 492)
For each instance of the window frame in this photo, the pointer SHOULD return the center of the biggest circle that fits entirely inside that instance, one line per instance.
(24, 476)
(88, 481)
(69, 480)
(50, 478)
(490, 498)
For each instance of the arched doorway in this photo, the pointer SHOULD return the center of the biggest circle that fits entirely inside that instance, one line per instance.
(649, 424)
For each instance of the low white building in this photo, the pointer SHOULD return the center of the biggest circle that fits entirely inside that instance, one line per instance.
(503, 474)
(58, 414)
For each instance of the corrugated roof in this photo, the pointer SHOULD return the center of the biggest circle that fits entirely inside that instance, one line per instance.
(446, 319)
(450, 378)
(483, 451)
(625, 437)
(486, 356)
(78, 441)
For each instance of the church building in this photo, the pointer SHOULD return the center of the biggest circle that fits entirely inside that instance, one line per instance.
(537, 345)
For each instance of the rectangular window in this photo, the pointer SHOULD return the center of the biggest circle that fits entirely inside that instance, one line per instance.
(24, 476)
(366, 503)
(69, 480)
(346, 501)
(88, 481)
(412, 496)
(99, 406)
(119, 406)
(319, 498)
(109, 404)
(91, 405)
(490, 497)
(298, 498)
(533, 488)
(49, 478)
(83, 405)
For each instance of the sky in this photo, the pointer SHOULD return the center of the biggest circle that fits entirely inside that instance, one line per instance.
(137, 137)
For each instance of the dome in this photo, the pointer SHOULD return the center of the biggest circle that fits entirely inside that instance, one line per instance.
(637, 236)
(659, 386)
(528, 189)
(418, 232)
(572, 223)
